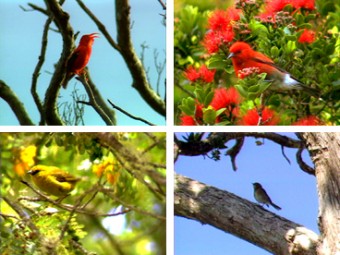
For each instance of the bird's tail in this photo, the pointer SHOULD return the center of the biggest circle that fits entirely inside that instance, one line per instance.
(311, 91)
(275, 206)
(66, 79)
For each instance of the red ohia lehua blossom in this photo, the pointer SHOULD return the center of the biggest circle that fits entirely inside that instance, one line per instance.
(252, 118)
(203, 74)
(308, 36)
(308, 121)
(187, 120)
(274, 6)
(229, 99)
(221, 30)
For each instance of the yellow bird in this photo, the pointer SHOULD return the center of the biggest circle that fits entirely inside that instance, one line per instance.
(53, 180)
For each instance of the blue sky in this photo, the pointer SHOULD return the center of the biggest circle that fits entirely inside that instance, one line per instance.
(21, 34)
(290, 188)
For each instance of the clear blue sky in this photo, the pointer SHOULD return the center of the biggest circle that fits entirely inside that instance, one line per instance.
(20, 43)
(290, 188)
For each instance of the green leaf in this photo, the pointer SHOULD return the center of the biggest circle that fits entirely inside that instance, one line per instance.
(208, 98)
(305, 26)
(220, 111)
(188, 106)
(291, 46)
(274, 51)
(209, 116)
(254, 89)
(241, 90)
(218, 61)
(258, 28)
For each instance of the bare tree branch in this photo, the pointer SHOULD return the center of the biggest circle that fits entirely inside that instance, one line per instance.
(130, 115)
(140, 82)
(216, 139)
(37, 69)
(242, 218)
(96, 100)
(100, 25)
(61, 20)
(13, 101)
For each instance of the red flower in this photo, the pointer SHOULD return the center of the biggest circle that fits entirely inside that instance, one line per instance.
(202, 73)
(211, 42)
(187, 120)
(233, 14)
(218, 20)
(223, 98)
(306, 4)
(221, 30)
(191, 74)
(276, 5)
(214, 39)
(206, 74)
(308, 121)
(308, 36)
(252, 117)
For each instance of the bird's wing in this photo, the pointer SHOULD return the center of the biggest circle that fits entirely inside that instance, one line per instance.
(72, 59)
(269, 62)
(62, 176)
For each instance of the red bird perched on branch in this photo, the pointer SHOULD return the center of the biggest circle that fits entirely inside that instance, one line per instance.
(79, 58)
(243, 56)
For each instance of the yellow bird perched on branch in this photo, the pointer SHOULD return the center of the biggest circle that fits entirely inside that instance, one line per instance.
(53, 180)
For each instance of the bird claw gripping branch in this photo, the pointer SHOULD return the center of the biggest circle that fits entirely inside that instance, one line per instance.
(79, 58)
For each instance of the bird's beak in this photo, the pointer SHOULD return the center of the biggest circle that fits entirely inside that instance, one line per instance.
(231, 55)
(94, 35)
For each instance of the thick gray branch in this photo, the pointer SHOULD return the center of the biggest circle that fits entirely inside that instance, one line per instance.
(242, 218)
(61, 20)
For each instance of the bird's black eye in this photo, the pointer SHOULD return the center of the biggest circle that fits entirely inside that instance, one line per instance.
(34, 172)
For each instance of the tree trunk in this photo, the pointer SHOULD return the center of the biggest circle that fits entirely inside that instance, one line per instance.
(324, 149)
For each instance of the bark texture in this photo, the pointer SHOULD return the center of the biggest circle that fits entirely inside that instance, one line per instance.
(242, 218)
(324, 149)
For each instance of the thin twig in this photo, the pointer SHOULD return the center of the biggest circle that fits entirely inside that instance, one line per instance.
(109, 193)
(100, 25)
(284, 155)
(37, 69)
(130, 115)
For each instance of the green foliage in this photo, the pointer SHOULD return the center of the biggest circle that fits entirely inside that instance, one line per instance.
(253, 87)
(118, 171)
(316, 63)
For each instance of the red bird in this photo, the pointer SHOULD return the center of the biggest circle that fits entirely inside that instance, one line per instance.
(243, 56)
(80, 57)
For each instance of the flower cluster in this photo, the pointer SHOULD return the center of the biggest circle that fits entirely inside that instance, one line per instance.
(260, 117)
(203, 73)
(216, 104)
(221, 29)
(273, 7)
(247, 71)
(225, 99)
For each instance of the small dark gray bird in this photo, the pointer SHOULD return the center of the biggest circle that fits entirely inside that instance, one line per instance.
(262, 197)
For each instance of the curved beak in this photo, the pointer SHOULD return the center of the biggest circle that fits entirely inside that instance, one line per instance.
(231, 55)
(94, 35)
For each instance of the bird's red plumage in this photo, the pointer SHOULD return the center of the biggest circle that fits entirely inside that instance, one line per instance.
(80, 57)
(243, 56)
